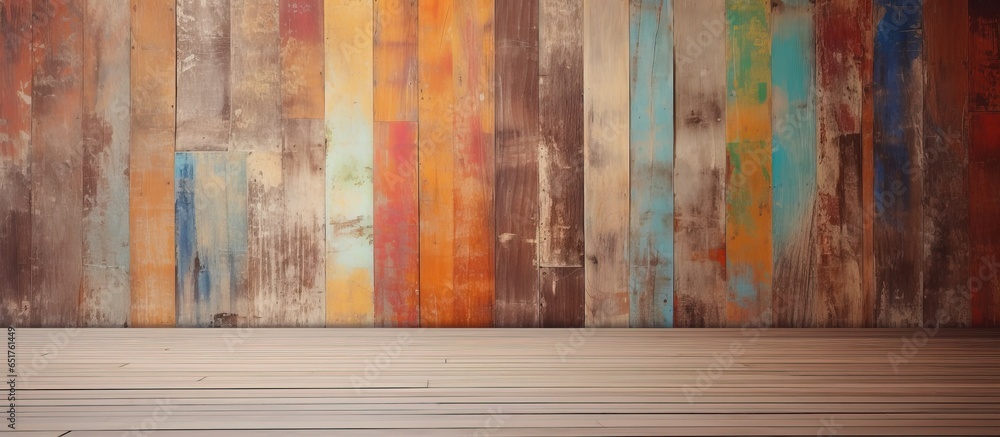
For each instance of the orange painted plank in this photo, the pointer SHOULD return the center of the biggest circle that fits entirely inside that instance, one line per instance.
(151, 164)
(302, 58)
(395, 56)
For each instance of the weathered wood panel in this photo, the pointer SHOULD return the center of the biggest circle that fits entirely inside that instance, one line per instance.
(349, 164)
(606, 161)
(204, 59)
(104, 300)
(840, 51)
(255, 116)
(945, 266)
(867, 23)
(749, 263)
(517, 143)
(265, 304)
(15, 168)
(984, 208)
(984, 55)
(151, 164)
(898, 146)
(560, 153)
(397, 226)
(651, 135)
(700, 164)
(560, 238)
(302, 55)
(793, 161)
(561, 298)
(395, 55)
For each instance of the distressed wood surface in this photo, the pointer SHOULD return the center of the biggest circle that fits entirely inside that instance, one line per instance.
(560, 153)
(255, 110)
(700, 164)
(204, 62)
(396, 226)
(651, 135)
(898, 136)
(104, 299)
(302, 58)
(349, 164)
(57, 164)
(15, 165)
(868, 28)
(984, 55)
(302, 256)
(606, 161)
(793, 161)
(749, 262)
(945, 266)
(395, 57)
(840, 50)
(151, 164)
(517, 143)
(562, 305)
(265, 305)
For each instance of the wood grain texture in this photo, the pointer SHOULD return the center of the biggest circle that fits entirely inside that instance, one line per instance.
(793, 161)
(840, 51)
(898, 146)
(517, 143)
(349, 164)
(15, 166)
(562, 301)
(868, 25)
(396, 226)
(651, 150)
(104, 300)
(204, 63)
(56, 164)
(151, 167)
(984, 138)
(395, 57)
(946, 266)
(560, 153)
(749, 262)
(700, 164)
(302, 58)
(456, 178)
(255, 116)
(303, 239)
(606, 161)
(266, 251)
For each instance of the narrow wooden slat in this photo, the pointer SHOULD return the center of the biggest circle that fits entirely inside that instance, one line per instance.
(301, 32)
(606, 161)
(560, 153)
(204, 56)
(256, 76)
(945, 266)
(517, 143)
(349, 164)
(104, 300)
(15, 169)
(700, 164)
(867, 26)
(151, 168)
(840, 50)
(651, 149)
(898, 89)
(395, 57)
(794, 161)
(749, 263)
(984, 55)
(397, 225)
(301, 265)
(56, 163)
(561, 298)
(264, 305)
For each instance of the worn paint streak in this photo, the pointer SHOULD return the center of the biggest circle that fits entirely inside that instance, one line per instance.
(395, 57)
(560, 153)
(397, 226)
(106, 133)
(748, 183)
(651, 239)
(700, 164)
(256, 76)
(349, 164)
(898, 146)
(606, 161)
(517, 164)
(302, 55)
(562, 304)
(204, 59)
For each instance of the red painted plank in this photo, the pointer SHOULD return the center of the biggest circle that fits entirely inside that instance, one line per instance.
(984, 228)
(984, 55)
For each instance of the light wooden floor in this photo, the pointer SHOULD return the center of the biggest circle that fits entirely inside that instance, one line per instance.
(182, 382)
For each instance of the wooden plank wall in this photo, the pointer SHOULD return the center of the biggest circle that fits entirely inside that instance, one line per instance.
(517, 163)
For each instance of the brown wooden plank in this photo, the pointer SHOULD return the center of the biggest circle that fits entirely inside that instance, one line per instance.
(561, 301)
(517, 164)
(946, 185)
(560, 154)
(256, 76)
(204, 56)
(395, 57)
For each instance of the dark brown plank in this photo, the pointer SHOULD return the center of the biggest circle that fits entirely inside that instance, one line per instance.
(562, 303)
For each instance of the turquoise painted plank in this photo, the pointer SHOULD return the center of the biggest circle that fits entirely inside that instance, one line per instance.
(651, 253)
(793, 161)
(185, 236)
